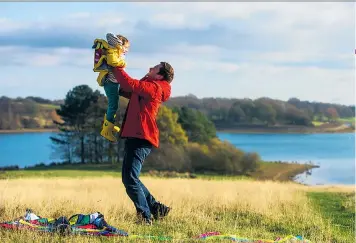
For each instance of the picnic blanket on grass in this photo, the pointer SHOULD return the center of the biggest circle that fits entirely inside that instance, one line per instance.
(95, 224)
(87, 224)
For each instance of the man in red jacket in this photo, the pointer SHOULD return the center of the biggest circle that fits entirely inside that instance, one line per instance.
(141, 132)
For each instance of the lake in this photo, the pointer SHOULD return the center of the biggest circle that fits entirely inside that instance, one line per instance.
(335, 153)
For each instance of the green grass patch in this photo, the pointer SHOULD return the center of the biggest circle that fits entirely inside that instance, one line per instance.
(49, 106)
(321, 119)
(339, 210)
(72, 173)
(55, 173)
(280, 171)
(348, 119)
(318, 123)
(106, 167)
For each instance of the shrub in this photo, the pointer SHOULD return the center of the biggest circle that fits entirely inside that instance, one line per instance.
(169, 157)
(249, 162)
(220, 157)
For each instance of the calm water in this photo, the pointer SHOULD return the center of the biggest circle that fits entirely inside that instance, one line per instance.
(335, 153)
(26, 149)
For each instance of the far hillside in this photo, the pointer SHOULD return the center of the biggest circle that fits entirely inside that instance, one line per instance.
(28, 113)
(38, 113)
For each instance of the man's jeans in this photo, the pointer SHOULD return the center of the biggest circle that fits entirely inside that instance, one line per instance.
(136, 150)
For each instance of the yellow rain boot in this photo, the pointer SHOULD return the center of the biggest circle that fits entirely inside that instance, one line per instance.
(107, 131)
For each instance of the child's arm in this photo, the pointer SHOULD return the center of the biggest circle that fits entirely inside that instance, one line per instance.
(114, 55)
(114, 59)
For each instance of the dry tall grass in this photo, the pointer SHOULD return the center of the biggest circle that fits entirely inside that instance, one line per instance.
(246, 208)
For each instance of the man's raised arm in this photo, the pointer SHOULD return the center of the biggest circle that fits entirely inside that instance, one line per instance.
(144, 89)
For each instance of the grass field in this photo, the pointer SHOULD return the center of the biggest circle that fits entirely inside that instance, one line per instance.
(277, 171)
(337, 207)
(252, 209)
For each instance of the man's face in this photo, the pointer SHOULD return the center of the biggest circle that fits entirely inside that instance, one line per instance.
(153, 72)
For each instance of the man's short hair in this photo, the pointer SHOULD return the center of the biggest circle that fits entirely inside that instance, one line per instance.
(167, 72)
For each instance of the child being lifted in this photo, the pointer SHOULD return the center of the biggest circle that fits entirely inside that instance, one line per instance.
(110, 53)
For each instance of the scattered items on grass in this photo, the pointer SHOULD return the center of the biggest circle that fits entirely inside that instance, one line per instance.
(95, 224)
(87, 224)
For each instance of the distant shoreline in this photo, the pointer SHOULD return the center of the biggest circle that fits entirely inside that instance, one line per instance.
(266, 131)
(38, 130)
(286, 130)
(270, 130)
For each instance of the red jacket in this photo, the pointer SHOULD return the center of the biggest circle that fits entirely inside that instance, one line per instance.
(145, 97)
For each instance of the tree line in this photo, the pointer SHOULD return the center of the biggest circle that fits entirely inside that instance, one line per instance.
(188, 138)
(228, 113)
(37, 112)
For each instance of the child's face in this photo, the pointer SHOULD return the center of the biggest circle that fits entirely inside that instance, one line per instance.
(125, 48)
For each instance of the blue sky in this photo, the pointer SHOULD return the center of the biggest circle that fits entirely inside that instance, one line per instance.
(240, 50)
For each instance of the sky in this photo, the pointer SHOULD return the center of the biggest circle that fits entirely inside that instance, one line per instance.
(234, 50)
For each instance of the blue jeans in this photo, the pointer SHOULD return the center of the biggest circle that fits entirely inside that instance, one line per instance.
(112, 93)
(136, 150)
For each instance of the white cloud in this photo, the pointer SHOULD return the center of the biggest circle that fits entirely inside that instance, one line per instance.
(255, 81)
(80, 15)
(181, 63)
(186, 49)
(187, 60)
(297, 57)
(37, 57)
(44, 60)
(306, 83)
(8, 25)
(309, 33)
(312, 13)
(303, 31)
(210, 9)
(176, 20)
(168, 20)
(81, 21)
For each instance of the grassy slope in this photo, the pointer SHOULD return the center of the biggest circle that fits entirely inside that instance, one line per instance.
(338, 209)
(279, 171)
(250, 209)
(48, 106)
(44, 116)
(350, 120)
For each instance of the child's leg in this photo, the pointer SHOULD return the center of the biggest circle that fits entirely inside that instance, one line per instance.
(112, 92)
